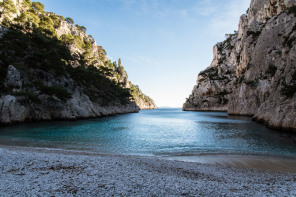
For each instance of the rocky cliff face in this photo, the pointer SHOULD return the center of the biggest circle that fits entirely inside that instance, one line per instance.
(254, 70)
(50, 69)
(29, 104)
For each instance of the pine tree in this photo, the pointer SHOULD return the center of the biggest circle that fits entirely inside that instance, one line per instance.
(8, 7)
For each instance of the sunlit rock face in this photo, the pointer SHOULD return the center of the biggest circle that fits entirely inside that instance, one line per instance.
(254, 70)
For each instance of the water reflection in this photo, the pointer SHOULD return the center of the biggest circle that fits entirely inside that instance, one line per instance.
(154, 132)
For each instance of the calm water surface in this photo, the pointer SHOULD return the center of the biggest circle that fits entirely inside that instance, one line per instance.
(160, 132)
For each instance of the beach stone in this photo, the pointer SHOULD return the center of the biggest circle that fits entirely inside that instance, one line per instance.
(27, 172)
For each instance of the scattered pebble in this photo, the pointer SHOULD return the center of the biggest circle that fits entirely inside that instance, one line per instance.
(38, 172)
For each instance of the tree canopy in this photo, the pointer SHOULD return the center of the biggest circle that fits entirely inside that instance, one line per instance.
(81, 28)
(70, 20)
(27, 3)
(8, 7)
(38, 6)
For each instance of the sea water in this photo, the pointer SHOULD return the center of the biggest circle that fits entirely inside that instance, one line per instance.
(160, 132)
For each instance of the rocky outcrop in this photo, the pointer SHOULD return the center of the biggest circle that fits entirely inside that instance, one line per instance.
(13, 110)
(71, 79)
(145, 104)
(18, 108)
(254, 70)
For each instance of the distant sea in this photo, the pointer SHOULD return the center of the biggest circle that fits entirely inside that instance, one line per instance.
(159, 132)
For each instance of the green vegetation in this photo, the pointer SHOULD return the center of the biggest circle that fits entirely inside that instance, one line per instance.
(50, 54)
(29, 17)
(70, 20)
(211, 73)
(86, 45)
(56, 20)
(67, 39)
(78, 41)
(33, 49)
(32, 46)
(26, 3)
(8, 8)
(97, 85)
(39, 7)
(61, 18)
(81, 28)
(28, 95)
(57, 91)
(46, 25)
(254, 34)
(137, 94)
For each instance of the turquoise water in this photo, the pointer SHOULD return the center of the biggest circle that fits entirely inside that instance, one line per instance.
(160, 132)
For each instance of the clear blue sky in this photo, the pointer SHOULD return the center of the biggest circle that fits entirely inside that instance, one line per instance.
(163, 44)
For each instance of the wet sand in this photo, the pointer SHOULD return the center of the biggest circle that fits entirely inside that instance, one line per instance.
(255, 162)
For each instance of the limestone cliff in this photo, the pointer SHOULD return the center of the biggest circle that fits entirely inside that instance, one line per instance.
(51, 69)
(254, 70)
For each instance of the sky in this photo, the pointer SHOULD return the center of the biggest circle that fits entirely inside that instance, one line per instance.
(163, 44)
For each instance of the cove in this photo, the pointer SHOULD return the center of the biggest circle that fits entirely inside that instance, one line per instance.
(160, 132)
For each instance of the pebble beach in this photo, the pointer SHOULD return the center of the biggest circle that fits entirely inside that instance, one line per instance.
(48, 172)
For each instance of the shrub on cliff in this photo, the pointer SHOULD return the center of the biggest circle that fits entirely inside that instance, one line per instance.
(56, 20)
(39, 7)
(8, 8)
(81, 28)
(67, 39)
(58, 91)
(98, 86)
(35, 49)
(70, 20)
(46, 25)
(32, 43)
(26, 3)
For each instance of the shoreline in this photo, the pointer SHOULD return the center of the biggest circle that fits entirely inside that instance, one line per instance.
(268, 163)
(253, 118)
(37, 171)
(251, 161)
(30, 121)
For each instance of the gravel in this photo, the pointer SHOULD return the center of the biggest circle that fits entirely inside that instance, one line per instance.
(48, 172)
